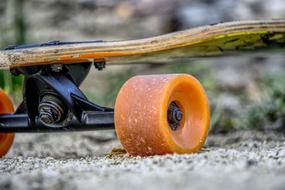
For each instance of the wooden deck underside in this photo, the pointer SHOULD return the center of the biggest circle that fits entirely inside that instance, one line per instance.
(208, 40)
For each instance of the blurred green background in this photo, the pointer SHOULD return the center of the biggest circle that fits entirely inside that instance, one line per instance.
(245, 91)
(13, 84)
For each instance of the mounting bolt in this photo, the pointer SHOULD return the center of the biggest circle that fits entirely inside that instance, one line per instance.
(99, 64)
(56, 67)
(51, 109)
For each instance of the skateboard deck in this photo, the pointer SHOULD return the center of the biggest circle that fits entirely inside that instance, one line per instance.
(153, 114)
(218, 39)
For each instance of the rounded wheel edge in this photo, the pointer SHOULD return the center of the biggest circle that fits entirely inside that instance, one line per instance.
(141, 114)
(6, 139)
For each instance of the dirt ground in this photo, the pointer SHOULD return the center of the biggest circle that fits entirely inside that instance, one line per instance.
(240, 160)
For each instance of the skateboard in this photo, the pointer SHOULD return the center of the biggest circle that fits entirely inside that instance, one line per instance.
(153, 114)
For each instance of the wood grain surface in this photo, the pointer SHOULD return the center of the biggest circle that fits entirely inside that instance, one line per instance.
(218, 39)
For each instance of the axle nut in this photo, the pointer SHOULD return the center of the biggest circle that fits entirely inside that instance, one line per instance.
(51, 109)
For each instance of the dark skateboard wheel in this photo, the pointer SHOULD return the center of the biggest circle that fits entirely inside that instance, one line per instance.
(6, 139)
(161, 114)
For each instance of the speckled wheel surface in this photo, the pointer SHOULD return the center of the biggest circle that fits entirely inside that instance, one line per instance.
(161, 114)
(6, 139)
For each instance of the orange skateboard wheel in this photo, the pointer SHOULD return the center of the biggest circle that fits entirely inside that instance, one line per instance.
(6, 139)
(161, 114)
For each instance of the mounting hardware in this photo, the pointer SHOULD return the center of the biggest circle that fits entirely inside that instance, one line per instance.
(51, 109)
(99, 64)
(56, 67)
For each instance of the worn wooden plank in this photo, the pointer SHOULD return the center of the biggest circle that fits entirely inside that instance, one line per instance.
(216, 39)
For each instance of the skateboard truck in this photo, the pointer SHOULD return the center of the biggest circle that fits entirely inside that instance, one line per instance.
(52, 101)
(153, 114)
(149, 110)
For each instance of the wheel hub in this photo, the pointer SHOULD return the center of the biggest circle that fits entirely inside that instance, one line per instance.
(174, 116)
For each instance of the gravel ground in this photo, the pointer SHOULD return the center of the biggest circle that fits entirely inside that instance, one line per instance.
(240, 160)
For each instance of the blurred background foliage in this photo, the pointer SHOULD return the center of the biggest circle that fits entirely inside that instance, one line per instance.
(245, 92)
(13, 84)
